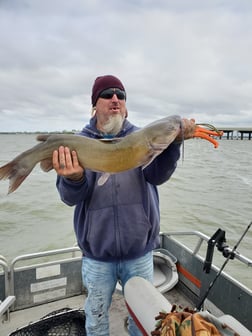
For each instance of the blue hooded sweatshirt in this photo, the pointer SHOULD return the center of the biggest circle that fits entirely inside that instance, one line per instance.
(119, 220)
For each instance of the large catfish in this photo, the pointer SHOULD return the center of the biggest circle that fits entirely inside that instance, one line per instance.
(107, 156)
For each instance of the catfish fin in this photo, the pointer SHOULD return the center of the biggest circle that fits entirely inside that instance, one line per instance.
(103, 179)
(158, 149)
(46, 165)
(13, 172)
(43, 137)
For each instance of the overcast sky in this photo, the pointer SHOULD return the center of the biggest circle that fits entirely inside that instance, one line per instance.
(192, 58)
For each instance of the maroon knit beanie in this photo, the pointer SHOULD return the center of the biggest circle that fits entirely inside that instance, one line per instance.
(102, 83)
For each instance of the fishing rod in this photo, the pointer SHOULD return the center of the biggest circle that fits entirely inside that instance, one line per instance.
(230, 256)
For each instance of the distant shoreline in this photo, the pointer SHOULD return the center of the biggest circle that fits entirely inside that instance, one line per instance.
(42, 132)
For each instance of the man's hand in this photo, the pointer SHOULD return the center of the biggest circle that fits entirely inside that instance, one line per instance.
(187, 129)
(66, 164)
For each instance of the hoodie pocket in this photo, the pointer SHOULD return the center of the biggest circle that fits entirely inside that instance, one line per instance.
(101, 236)
(121, 231)
(134, 229)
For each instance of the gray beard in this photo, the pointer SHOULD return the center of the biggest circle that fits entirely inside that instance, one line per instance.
(113, 124)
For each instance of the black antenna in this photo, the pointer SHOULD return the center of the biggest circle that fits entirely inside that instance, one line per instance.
(230, 256)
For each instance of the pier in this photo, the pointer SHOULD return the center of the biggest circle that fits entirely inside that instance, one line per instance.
(236, 132)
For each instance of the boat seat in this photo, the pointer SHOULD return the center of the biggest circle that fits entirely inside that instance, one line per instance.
(6, 304)
(235, 325)
(165, 272)
(144, 302)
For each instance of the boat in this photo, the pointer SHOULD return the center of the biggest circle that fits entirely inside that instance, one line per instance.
(42, 293)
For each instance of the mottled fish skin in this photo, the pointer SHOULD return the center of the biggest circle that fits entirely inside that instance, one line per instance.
(106, 156)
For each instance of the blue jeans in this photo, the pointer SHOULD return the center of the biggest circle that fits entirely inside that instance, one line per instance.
(100, 280)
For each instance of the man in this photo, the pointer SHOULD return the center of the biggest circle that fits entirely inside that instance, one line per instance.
(116, 224)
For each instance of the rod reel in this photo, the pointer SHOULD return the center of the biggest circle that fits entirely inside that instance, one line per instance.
(219, 237)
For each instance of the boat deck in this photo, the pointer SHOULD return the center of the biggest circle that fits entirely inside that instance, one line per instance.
(45, 282)
(118, 312)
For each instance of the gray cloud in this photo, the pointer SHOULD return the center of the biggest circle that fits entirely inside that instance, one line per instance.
(185, 57)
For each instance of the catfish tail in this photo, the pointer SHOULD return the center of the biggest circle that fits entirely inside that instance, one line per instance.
(19, 168)
(14, 173)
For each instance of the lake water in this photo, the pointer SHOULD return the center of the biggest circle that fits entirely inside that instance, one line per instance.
(211, 189)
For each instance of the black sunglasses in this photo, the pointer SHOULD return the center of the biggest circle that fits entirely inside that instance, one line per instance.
(109, 93)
